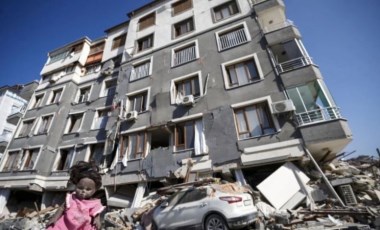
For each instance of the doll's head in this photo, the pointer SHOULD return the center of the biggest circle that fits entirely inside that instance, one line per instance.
(86, 177)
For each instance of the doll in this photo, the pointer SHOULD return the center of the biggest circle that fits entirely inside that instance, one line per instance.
(80, 210)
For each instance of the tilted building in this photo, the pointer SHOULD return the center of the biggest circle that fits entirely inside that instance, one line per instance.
(183, 90)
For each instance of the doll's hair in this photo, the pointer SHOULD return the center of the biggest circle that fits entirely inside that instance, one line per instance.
(83, 169)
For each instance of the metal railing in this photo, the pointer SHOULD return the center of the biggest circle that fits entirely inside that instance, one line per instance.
(277, 26)
(318, 115)
(185, 55)
(294, 64)
(232, 39)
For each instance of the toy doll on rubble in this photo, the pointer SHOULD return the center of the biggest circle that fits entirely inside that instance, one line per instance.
(81, 210)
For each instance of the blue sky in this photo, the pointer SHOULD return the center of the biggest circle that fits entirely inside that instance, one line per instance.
(340, 35)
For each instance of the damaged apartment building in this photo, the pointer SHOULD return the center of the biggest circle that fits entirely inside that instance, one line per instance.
(183, 90)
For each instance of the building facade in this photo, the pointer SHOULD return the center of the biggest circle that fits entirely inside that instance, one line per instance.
(181, 91)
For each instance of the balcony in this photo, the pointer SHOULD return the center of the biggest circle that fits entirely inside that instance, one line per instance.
(232, 38)
(294, 64)
(281, 32)
(5, 137)
(15, 115)
(262, 5)
(318, 115)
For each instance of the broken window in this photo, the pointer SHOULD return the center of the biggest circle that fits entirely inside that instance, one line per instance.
(133, 146)
(254, 120)
(26, 128)
(29, 158)
(13, 161)
(45, 123)
(225, 10)
(74, 122)
(55, 96)
(96, 153)
(159, 138)
(84, 94)
(147, 21)
(183, 27)
(145, 43)
(65, 158)
(118, 41)
(101, 118)
(109, 88)
(181, 6)
(190, 135)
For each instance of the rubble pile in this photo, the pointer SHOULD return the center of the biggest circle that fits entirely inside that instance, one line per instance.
(292, 197)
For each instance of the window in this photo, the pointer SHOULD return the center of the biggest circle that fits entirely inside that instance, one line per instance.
(96, 153)
(254, 120)
(145, 43)
(13, 161)
(186, 85)
(243, 71)
(26, 128)
(101, 118)
(184, 135)
(138, 102)
(93, 68)
(29, 158)
(147, 21)
(225, 10)
(96, 54)
(133, 146)
(184, 54)
(55, 96)
(44, 124)
(140, 70)
(232, 37)
(38, 101)
(109, 88)
(74, 123)
(183, 27)
(118, 41)
(65, 158)
(181, 6)
(84, 94)
(58, 56)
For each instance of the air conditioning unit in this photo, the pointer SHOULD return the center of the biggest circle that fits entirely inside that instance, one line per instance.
(132, 115)
(283, 106)
(188, 100)
(107, 72)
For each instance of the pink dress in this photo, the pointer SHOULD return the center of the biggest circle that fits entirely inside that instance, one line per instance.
(78, 214)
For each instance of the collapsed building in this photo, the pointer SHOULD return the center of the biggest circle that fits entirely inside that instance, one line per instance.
(183, 90)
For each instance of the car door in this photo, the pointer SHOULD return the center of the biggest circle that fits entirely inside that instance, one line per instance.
(190, 208)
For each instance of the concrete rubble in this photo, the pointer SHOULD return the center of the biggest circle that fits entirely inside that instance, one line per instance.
(307, 204)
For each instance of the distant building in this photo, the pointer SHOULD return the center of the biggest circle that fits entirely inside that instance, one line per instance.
(182, 91)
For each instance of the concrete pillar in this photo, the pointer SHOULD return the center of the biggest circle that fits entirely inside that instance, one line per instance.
(139, 195)
(4, 196)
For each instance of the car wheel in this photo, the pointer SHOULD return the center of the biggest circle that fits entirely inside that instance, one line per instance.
(215, 222)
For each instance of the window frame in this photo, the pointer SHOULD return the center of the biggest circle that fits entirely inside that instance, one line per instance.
(78, 96)
(36, 105)
(178, 25)
(96, 117)
(226, 75)
(58, 161)
(185, 145)
(131, 95)
(225, 5)
(40, 122)
(69, 124)
(243, 105)
(230, 29)
(140, 63)
(149, 22)
(12, 160)
(127, 145)
(29, 159)
(90, 154)
(140, 41)
(185, 46)
(174, 90)
(119, 41)
(105, 91)
(52, 97)
(176, 4)
(33, 124)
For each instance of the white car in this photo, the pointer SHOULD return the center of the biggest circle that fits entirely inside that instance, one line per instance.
(206, 207)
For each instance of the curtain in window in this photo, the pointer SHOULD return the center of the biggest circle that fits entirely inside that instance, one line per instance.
(200, 140)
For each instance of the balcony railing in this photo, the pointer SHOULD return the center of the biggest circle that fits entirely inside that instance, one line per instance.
(18, 110)
(294, 64)
(5, 137)
(232, 39)
(318, 115)
(184, 55)
(277, 26)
